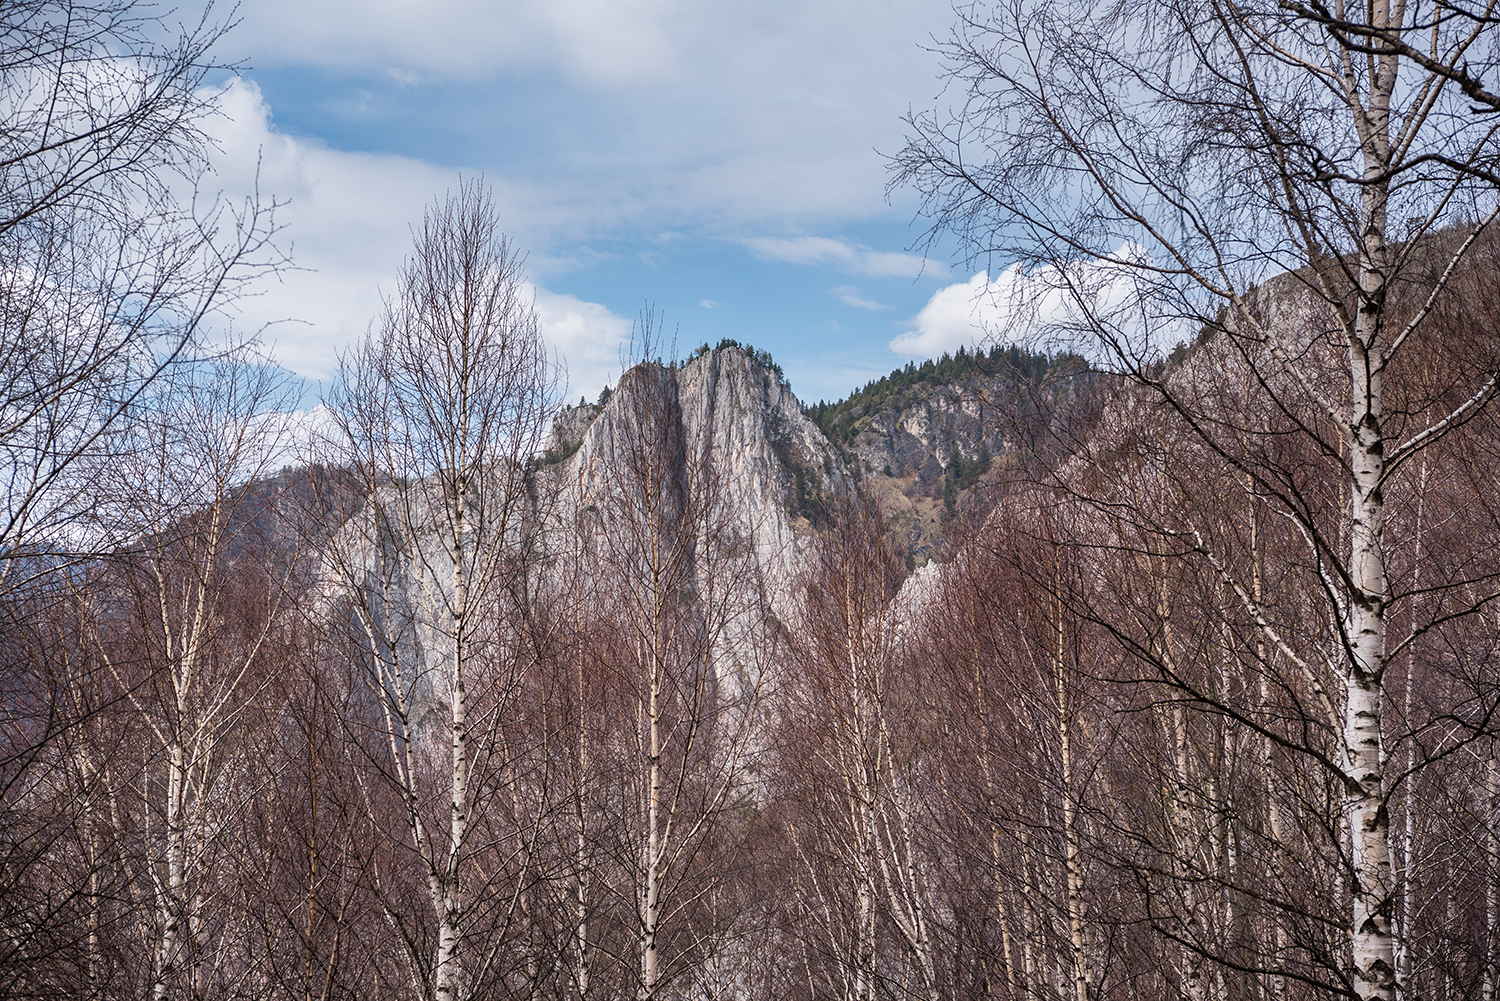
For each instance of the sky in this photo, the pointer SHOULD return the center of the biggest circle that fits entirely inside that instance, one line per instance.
(720, 164)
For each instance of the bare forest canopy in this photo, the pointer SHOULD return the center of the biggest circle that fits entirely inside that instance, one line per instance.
(1196, 699)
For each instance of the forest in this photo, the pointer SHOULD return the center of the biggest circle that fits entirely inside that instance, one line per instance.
(1200, 700)
(837, 418)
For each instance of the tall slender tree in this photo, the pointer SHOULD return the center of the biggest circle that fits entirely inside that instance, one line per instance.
(1154, 164)
(674, 591)
(440, 411)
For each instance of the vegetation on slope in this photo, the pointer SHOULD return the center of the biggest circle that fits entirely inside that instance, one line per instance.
(838, 419)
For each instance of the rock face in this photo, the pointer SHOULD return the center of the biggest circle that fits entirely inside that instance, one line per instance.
(916, 432)
(733, 415)
(568, 431)
(720, 447)
(722, 429)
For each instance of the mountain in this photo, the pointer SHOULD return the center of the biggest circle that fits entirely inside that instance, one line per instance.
(920, 439)
(714, 459)
(926, 435)
(725, 416)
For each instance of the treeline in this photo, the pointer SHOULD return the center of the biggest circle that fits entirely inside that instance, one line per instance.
(1016, 364)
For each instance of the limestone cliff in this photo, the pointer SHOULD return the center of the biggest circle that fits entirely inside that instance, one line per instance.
(736, 475)
(925, 436)
(916, 434)
(721, 419)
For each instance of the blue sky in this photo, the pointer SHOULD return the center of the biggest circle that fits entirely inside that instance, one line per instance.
(719, 162)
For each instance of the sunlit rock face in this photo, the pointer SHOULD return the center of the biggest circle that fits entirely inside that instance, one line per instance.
(721, 446)
(716, 458)
(725, 414)
(917, 430)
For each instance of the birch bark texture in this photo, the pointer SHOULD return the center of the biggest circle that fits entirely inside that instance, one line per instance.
(1148, 170)
(440, 410)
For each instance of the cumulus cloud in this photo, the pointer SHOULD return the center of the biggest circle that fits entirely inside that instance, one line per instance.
(766, 110)
(962, 314)
(1018, 304)
(347, 218)
(841, 255)
(588, 337)
(611, 42)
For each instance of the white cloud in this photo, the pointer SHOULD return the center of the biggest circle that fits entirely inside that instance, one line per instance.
(841, 255)
(1018, 305)
(607, 43)
(610, 42)
(347, 219)
(958, 314)
(589, 338)
(708, 304)
(676, 111)
(849, 296)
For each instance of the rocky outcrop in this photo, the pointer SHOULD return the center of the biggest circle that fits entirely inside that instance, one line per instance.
(915, 432)
(736, 416)
(721, 429)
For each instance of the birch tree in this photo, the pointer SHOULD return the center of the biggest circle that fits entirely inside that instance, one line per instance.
(440, 410)
(1149, 166)
(675, 589)
(110, 277)
(181, 621)
(845, 675)
(1029, 763)
(856, 723)
(110, 274)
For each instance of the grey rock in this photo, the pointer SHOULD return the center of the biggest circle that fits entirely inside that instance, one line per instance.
(731, 418)
(917, 430)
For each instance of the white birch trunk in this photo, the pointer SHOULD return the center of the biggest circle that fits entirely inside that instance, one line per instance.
(862, 774)
(447, 887)
(581, 974)
(1372, 939)
(1073, 852)
(906, 883)
(651, 885)
(1372, 943)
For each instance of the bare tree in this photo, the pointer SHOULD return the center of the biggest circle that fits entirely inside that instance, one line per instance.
(1152, 165)
(104, 106)
(674, 595)
(181, 620)
(110, 270)
(848, 701)
(440, 412)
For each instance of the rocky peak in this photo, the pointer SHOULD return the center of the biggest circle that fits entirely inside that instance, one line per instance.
(730, 411)
(926, 435)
